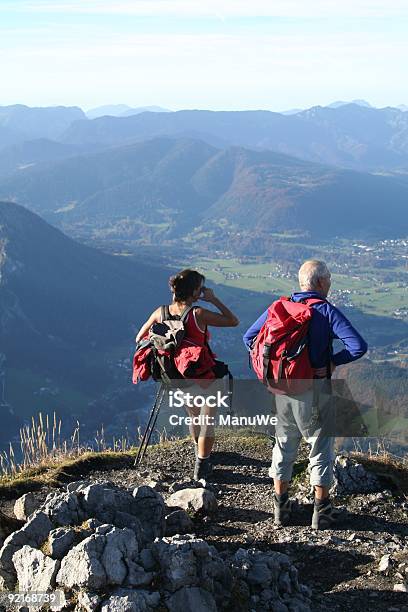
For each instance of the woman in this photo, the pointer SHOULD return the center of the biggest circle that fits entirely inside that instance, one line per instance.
(187, 288)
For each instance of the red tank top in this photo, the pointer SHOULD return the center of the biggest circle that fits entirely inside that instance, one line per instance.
(193, 332)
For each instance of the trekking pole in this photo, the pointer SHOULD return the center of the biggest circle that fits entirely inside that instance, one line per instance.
(230, 392)
(150, 426)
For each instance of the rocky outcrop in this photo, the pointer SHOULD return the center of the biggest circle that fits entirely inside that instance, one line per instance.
(142, 512)
(272, 581)
(103, 548)
(187, 561)
(352, 477)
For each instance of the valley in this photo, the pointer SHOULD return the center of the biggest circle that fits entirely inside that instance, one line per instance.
(100, 212)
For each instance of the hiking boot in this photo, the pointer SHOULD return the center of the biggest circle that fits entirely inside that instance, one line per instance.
(326, 515)
(283, 511)
(202, 469)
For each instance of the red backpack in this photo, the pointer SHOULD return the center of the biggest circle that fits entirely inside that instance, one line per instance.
(165, 353)
(279, 353)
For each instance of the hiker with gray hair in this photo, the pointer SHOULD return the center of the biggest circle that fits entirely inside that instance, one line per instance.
(295, 412)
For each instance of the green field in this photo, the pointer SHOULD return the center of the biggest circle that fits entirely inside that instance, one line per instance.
(260, 277)
(368, 292)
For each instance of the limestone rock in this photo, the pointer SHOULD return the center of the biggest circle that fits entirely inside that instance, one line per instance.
(61, 602)
(191, 598)
(104, 500)
(272, 580)
(64, 509)
(352, 477)
(143, 512)
(93, 524)
(33, 533)
(87, 602)
(384, 564)
(150, 510)
(178, 521)
(100, 560)
(60, 541)
(106, 503)
(25, 506)
(186, 484)
(35, 571)
(77, 485)
(199, 501)
(82, 566)
(186, 561)
(147, 560)
(137, 577)
(126, 600)
(107, 551)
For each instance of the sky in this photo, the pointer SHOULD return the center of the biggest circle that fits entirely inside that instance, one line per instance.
(220, 55)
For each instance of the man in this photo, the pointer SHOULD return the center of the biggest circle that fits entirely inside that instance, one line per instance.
(295, 413)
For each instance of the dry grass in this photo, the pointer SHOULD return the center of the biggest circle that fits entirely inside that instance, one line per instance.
(40, 445)
(45, 455)
(55, 472)
(48, 459)
(383, 462)
(379, 452)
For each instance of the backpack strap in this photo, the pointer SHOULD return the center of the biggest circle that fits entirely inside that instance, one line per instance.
(310, 302)
(183, 318)
(167, 316)
(185, 313)
(165, 313)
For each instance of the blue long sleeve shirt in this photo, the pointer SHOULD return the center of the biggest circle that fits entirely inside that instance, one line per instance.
(327, 323)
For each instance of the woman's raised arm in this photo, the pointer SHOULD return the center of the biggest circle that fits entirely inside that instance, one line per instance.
(225, 318)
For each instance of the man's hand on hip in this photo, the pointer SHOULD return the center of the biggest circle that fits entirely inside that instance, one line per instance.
(322, 372)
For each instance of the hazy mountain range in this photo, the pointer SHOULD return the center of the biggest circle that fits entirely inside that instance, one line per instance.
(19, 122)
(349, 135)
(336, 104)
(165, 188)
(123, 110)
